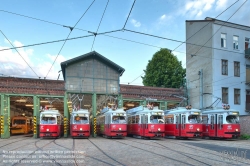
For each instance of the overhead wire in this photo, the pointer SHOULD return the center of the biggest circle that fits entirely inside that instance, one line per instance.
(49, 42)
(71, 29)
(38, 19)
(99, 24)
(219, 28)
(217, 31)
(129, 14)
(135, 78)
(19, 54)
(97, 34)
(205, 25)
(193, 34)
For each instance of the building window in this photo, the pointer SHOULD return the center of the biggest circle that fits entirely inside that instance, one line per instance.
(225, 95)
(223, 40)
(237, 69)
(236, 42)
(247, 43)
(224, 67)
(236, 96)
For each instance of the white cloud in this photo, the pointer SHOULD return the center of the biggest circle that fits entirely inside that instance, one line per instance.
(221, 4)
(59, 58)
(163, 17)
(196, 8)
(135, 23)
(12, 64)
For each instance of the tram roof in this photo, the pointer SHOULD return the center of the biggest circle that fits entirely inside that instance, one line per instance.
(142, 109)
(50, 112)
(181, 110)
(80, 111)
(218, 110)
(109, 111)
(94, 55)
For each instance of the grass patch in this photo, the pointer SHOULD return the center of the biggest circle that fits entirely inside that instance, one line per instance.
(245, 136)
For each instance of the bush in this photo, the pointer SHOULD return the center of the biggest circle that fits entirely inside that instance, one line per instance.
(245, 136)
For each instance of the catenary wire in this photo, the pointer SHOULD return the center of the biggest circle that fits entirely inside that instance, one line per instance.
(176, 51)
(215, 32)
(38, 19)
(219, 28)
(129, 15)
(99, 24)
(206, 25)
(19, 53)
(71, 29)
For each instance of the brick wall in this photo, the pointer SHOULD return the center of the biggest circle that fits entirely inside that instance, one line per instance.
(31, 86)
(245, 124)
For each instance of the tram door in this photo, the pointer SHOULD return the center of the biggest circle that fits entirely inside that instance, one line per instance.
(177, 125)
(212, 129)
(183, 125)
(144, 124)
(220, 131)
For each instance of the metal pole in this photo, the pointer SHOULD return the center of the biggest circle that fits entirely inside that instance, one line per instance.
(94, 114)
(201, 88)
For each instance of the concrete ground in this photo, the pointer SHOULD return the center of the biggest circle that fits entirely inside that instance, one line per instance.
(21, 150)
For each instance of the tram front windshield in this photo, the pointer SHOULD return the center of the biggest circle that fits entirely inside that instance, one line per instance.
(48, 120)
(194, 119)
(81, 120)
(156, 119)
(19, 121)
(119, 119)
(232, 119)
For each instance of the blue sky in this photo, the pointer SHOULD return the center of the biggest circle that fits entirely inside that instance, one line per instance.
(165, 18)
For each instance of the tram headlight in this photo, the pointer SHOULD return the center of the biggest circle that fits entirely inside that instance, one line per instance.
(198, 129)
(80, 128)
(120, 129)
(236, 129)
(47, 129)
(159, 129)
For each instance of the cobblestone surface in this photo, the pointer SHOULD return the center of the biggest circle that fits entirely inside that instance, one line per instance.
(23, 151)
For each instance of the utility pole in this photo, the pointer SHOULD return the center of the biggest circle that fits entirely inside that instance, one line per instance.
(201, 88)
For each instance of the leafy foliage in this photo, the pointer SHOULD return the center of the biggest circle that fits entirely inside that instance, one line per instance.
(245, 136)
(164, 70)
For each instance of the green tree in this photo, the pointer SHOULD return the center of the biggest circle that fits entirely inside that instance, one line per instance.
(164, 70)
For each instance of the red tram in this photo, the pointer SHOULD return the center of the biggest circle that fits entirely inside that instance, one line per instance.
(183, 122)
(79, 123)
(51, 124)
(111, 123)
(146, 122)
(221, 123)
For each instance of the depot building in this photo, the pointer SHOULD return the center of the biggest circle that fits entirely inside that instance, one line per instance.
(91, 82)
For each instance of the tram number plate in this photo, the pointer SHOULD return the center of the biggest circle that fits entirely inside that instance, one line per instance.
(47, 134)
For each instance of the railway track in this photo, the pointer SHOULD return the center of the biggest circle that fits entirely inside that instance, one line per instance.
(33, 152)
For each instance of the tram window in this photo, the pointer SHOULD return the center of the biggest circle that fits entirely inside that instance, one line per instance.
(129, 120)
(137, 119)
(232, 119)
(133, 119)
(212, 122)
(19, 121)
(194, 118)
(156, 119)
(118, 119)
(81, 119)
(52, 120)
(220, 119)
(204, 119)
(177, 119)
(146, 119)
(169, 119)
